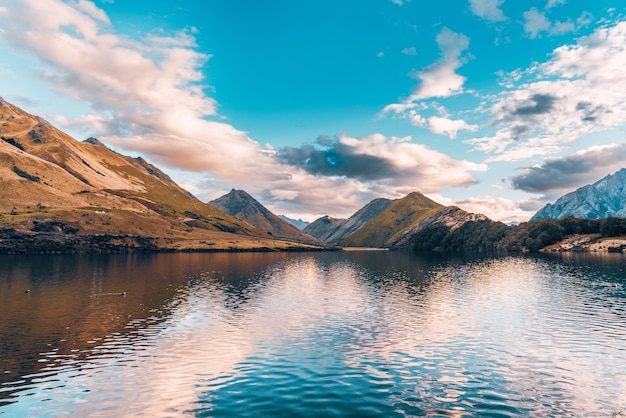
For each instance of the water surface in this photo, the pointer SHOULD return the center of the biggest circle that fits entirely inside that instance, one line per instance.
(310, 334)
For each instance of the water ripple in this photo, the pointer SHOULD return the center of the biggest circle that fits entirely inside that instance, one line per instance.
(333, 335)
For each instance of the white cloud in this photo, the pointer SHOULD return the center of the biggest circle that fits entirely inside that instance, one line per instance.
(499, 209)
(438, 80)
(382, 162)
(580, 90)
(279, 194)
(409, 51)
(553, 3)
(146, 94)
(488, 9)
(561, 28)
(536, 22)
(444, 126)
(92, 10)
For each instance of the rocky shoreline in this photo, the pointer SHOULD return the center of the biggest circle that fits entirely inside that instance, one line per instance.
(589, 243)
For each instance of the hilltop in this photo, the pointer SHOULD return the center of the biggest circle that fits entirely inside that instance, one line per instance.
(241, 205)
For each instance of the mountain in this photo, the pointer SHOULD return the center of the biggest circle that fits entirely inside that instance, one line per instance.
(54, 186)
(388, 225)
(332, 230)
(241, 205)
(323, 228)
(448, 219)
(298, 223)
(604, 198)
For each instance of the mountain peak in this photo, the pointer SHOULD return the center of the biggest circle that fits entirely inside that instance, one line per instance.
(91, 189)
(94, 141)
(396, 217)
(606, 197)
(240, 204)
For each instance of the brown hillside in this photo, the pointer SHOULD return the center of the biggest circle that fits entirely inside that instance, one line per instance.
(45, 175)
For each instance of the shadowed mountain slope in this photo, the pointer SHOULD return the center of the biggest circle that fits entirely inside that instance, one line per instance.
(449, 218)
(332, 230)
(241, 205)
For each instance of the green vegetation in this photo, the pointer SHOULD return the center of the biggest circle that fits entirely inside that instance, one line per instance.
(529, 236)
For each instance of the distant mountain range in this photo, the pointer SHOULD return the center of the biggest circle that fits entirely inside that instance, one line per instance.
(604, 198)
(385, 223)
(298, 223)
(61, 195)
(241, 205)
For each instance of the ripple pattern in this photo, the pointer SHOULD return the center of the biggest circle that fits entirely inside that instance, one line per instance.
(337, 334)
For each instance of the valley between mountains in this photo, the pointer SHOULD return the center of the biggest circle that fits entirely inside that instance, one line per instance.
(59, 195)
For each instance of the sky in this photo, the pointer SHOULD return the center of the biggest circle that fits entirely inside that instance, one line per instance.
(317, 107)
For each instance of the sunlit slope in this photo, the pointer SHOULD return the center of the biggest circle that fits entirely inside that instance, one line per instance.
(44, 173)
(400, 216)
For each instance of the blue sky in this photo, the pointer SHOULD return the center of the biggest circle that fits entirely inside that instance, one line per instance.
(318, 107)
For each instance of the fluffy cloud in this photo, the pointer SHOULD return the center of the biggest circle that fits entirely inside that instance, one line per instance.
(389, 162)
(500, 209)
(147, 96)
(580, 90)
(571, 171)
(536, 23)
(488, 9)
(449, 127)
(553, 3)
(438, 80)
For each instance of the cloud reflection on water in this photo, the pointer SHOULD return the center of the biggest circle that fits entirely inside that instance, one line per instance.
(395, 331)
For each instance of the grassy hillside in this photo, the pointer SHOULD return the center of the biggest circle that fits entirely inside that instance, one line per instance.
(392, 222)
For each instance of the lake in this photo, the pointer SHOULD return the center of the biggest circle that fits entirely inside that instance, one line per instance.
(359, 333)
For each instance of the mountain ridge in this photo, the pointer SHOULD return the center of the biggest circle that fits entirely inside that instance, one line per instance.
(50, 183)
(298, 223)
(240, 204)
(333, 230)
(400, 215)
(606, 197)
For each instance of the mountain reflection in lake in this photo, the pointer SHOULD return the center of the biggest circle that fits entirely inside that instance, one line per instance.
(278, 334)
